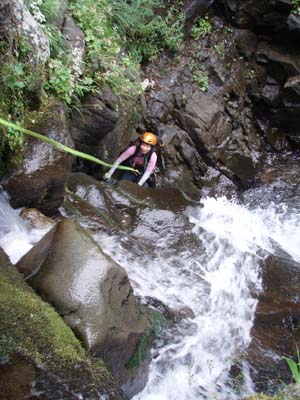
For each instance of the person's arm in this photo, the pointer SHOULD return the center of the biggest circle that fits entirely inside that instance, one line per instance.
(122, 157)
(149, 169)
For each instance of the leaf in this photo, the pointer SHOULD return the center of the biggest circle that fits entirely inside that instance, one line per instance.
(294, 369)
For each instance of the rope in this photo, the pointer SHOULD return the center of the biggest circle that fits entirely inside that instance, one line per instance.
(60, 146)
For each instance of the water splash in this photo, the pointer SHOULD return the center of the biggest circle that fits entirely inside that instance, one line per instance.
(218, 285)
(16, 238)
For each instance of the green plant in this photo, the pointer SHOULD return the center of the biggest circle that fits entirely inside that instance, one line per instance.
(50, 8)
(202, 28)
(16, 76)
(296, 7)
(147, 33)
(201, 78)
(294, 367)
(250, 74)
(219, 49)
(172, 31)
(11, 142)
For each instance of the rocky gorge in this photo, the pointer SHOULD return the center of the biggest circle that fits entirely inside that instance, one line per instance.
(227, 109)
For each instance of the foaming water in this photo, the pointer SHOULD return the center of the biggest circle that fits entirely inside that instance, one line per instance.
(194, 359)
(16, 238)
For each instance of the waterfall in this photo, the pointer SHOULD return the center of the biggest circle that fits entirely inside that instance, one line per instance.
(194, 360)
(16, 238)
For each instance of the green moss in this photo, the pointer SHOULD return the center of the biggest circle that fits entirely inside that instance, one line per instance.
(157, 324)
(33, 328)
(261, 396)
(140, 351)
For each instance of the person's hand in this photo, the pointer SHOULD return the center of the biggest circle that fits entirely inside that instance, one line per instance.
(107, 176)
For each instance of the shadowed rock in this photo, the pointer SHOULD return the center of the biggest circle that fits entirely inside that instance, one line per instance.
(39, 182)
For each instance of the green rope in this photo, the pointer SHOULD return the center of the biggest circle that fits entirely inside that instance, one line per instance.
(61, 146)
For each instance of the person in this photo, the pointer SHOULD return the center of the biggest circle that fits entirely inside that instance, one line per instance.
(141, 156)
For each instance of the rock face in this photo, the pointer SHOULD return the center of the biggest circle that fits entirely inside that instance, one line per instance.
(103, 127)
(75, 45)
(6, 24)
(196, 8)
(91, 292)
(204, 127)
(33, 32)
(39, 182)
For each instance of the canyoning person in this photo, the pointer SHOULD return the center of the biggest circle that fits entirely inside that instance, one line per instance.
(141, 156)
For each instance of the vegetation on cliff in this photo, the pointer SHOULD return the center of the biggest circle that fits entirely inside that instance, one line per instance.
(118, 37)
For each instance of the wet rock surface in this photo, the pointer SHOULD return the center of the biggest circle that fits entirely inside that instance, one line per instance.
(39, 182)
(91, 292)
(42, 359)
(276, 325)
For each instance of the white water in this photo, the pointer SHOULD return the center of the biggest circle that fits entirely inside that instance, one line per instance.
(194, 360)
(16, 238)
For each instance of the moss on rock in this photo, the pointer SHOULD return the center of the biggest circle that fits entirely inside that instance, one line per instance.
(31, 330)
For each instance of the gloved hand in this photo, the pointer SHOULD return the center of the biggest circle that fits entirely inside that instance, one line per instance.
(107, 176)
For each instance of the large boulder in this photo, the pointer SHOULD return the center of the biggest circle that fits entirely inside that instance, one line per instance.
(39, 181)
(39, 353)
(92, 294)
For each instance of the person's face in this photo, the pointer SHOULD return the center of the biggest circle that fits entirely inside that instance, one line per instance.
(145, 148)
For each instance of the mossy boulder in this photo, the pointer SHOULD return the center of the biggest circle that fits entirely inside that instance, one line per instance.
(39, 353)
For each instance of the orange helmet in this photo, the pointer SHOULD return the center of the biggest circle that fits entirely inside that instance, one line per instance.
(149, 138)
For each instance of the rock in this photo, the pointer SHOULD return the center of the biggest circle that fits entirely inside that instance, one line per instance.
(57, 14)
(39, 353)
(293, 23)
(196, 8)
(290, 392)
(97, 118)
(271, 95)
(16, 378)
(282, 63)
(259, 15)
(32, 261)
(103, 127)
(293, 85)
(276, 325)
(6, 24)
(39, 181)
(36, 219)
(92, 294)
(246, 42)
(97, 205)
(32, 31)
(74, 40)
